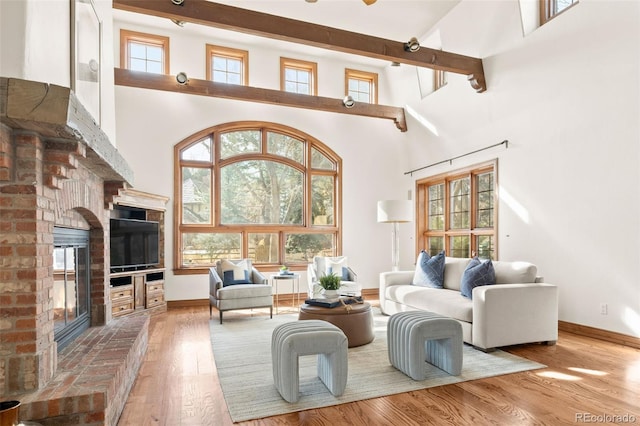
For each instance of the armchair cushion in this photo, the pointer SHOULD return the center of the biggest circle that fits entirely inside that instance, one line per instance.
(234, 273)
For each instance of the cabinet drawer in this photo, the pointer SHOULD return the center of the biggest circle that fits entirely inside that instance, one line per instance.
(122, 308)
(121, 292)
(155, 286)
(155, 300)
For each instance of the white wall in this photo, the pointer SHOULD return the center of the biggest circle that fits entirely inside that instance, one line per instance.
(566, 96)
(35, 44)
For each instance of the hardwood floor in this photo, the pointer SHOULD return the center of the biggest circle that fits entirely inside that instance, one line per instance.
(178, 385)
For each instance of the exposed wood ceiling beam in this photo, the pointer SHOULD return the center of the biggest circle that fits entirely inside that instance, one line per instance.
(168, 83)
(262, 24)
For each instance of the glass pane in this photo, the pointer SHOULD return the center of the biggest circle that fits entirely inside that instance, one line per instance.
(285, 146)
(137, 51)
(303, 89)
(205, 249)
(484, 206)
(459, 204)
(264, 248)
(303, 77)
(290, 87)
(320, 161)
(220, 76)
(484, 247)
(436, 207)
(234, 79)
(261, 192)
(82, 277)
(290, 74)
(301, 248)
(138, 65)
(154, 67)
(154, 53)
(459, 246)
(561, 5)
(239, 142)
(196, 195)
(199, 151)
(353, 85)
(436, 245)
(219, 63)
(234, 66)
(322, 205)
(59, 287)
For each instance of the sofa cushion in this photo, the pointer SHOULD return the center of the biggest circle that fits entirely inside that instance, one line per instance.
(515, 272)
(453, 269)
(477, 274)
(234, 273)
(429, 270)
(244, 291)
(441, 301)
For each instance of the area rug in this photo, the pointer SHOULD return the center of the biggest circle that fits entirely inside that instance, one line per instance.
(242, 352)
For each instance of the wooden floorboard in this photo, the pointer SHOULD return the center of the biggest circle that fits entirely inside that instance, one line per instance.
(178, 385)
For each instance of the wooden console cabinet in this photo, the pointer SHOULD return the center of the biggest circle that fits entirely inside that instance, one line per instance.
(138, 291)
(141, 291)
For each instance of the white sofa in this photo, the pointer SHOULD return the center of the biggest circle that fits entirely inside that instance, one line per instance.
(519, 308)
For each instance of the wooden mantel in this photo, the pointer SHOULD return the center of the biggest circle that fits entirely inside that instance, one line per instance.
(265, 25)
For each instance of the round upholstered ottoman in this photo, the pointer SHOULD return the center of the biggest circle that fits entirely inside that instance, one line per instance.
(355, 320)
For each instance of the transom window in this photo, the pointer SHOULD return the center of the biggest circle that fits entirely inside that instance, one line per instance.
(255, 190)
(457, 213)
(144, 52)
(551, 8)
(362, 86)
(298, 76)
(226, 65)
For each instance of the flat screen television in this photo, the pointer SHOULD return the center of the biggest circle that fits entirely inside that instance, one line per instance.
(134, 244)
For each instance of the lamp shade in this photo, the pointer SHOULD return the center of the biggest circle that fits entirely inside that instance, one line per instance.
(395, 211)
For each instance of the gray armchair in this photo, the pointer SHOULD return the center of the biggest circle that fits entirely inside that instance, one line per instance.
(338, 265)
(236, 284)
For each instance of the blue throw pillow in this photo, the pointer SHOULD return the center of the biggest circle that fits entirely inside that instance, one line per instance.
(429, 270)
(344, 273)
(477, 274)
(231, 278)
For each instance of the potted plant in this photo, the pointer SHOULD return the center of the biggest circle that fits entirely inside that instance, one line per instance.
(330, 283)
(284, 270)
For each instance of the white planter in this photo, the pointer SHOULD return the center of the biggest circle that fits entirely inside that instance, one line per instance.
(331, 294)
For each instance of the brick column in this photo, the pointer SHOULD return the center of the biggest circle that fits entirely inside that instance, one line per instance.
(28, 356)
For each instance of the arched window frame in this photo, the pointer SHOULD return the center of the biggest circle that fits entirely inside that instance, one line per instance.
(244, 230)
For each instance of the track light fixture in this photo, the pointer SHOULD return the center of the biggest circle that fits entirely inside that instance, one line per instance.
(178, 22)
(348, 101)
(182, 78)
(395, 64)
(177, 2)
(412, 45)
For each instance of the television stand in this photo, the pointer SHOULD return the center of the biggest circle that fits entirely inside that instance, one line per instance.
(137, 292)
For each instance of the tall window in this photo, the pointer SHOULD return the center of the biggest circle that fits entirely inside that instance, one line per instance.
(258, 190)
(457, 212)
(226, 65)
(144, 52)
(551, 8)
(439, 79)
(362, 86)
(298, 76)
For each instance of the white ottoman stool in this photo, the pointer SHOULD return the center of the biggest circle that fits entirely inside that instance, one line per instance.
(418, 336)
(309, 337)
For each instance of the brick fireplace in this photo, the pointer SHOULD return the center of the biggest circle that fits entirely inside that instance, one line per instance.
(58, 169)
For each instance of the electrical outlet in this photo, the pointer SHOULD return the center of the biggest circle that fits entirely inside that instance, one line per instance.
(604, 309)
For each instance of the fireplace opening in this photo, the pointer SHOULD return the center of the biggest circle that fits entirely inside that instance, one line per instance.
(71, 286)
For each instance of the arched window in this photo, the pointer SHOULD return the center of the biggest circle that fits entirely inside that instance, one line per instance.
(255, 190)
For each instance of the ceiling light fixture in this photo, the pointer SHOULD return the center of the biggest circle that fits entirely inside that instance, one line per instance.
(178, 23)
(182, 78)
(395, 64)
(348, 101)
(177, 2)
(412, 45)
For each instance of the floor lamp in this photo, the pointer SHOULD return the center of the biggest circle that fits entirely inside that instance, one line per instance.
(395, 212)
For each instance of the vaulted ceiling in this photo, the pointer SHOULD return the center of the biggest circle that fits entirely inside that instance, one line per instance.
(375, 34)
